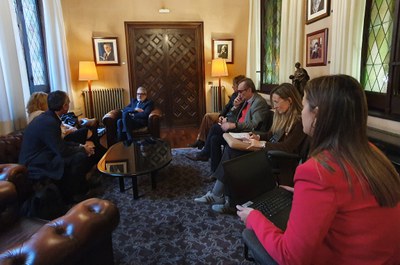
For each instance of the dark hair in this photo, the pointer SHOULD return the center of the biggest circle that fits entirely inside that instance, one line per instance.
(341, 129)
(56, 100)
(237, 79)
(249, 84)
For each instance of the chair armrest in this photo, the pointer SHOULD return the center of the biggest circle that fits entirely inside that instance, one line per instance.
(8, 204)
(90, 123)
(18, 175)
(110, 123)
(154, 122)
(276, 154)
(68, 239)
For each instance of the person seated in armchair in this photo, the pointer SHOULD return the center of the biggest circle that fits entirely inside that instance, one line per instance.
(83, 131)
(212, 118)
(286, 134)
(48, 157)
(134, 116)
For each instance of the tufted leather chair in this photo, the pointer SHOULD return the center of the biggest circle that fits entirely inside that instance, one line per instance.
(82, 236)
(10, 146)
(152, 129)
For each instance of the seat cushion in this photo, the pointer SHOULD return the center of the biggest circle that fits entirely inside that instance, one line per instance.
(19, 232)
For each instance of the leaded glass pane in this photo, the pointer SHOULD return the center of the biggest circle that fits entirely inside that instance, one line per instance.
(33, 33)
(379, 44)
(272, 33)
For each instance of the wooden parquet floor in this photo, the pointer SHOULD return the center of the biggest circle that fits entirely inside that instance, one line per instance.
(179, 137)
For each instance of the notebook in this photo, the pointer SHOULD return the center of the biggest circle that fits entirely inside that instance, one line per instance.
(250, 182)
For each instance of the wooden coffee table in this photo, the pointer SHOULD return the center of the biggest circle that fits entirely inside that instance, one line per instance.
(144, 157)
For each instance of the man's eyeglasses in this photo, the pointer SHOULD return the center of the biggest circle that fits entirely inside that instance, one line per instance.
(140, 94)
(242, 90)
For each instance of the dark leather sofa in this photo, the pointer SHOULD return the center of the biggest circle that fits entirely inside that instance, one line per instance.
(152, 129)
(82, 236)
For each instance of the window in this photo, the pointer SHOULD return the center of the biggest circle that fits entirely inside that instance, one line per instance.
(270, 43)
(381, 57)
(32, 39)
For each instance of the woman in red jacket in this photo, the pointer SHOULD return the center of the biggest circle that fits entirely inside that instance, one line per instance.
(346, 202)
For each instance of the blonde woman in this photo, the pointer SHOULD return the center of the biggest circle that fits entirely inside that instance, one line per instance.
(286, 134)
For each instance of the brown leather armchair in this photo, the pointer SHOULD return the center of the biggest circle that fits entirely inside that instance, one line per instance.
(152, 129)
(82, 236)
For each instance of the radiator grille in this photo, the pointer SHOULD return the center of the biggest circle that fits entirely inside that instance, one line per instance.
(215, 97)
(104, 100)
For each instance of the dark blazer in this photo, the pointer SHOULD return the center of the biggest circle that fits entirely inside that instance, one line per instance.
(147, 106)
(228, 106)
(256, 117)
(110, 57)
(43, 150)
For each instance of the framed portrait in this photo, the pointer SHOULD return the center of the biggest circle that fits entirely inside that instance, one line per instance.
(223, 48)
(117, 166)
(106, 51)
(317, 47)
(317, 9)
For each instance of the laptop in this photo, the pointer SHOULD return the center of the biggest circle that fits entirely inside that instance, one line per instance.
(250, 182)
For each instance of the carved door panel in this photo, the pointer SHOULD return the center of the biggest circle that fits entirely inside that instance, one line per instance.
(167, 59)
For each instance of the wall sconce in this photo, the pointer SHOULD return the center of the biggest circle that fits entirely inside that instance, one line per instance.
(219, 69)
(88, 72)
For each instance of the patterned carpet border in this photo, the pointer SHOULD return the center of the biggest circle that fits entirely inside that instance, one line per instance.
(165, 226)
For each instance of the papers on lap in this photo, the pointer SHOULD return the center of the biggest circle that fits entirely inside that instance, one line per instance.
(239, 144)
(240, 136)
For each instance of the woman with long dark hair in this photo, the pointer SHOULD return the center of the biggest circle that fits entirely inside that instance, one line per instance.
(346, 196)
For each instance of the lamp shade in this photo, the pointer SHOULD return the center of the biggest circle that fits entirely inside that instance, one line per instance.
(219, 68)
(87, 71)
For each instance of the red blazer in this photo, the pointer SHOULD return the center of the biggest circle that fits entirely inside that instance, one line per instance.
(330, 225)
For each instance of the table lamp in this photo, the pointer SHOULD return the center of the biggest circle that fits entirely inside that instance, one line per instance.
(88, 72)
(218, 69)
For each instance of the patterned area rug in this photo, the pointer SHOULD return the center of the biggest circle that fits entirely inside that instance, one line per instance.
(165, 226)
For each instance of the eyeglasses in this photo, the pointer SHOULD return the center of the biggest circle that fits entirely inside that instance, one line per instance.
(242, 90)
(140, 94)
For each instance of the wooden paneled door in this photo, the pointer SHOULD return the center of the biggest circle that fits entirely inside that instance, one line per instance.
(167, 58)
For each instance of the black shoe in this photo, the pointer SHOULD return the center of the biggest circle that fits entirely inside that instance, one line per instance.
(198, 144)
(197, 157)
(210, 179)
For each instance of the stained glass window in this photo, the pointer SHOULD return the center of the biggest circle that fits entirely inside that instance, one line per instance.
(30, 25)
(271, 41)
(376, 72)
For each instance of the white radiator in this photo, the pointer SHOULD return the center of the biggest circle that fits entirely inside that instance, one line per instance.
(215, 98)
(104, 100)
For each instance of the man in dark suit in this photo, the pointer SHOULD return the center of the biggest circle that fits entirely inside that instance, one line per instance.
(134, 116)
(108, 54)
(253, 115)
(48, 157)
(230, 111)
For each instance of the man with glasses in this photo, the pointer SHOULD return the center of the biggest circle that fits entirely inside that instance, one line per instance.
(134, 116)
(253, 115)
(230, 112)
